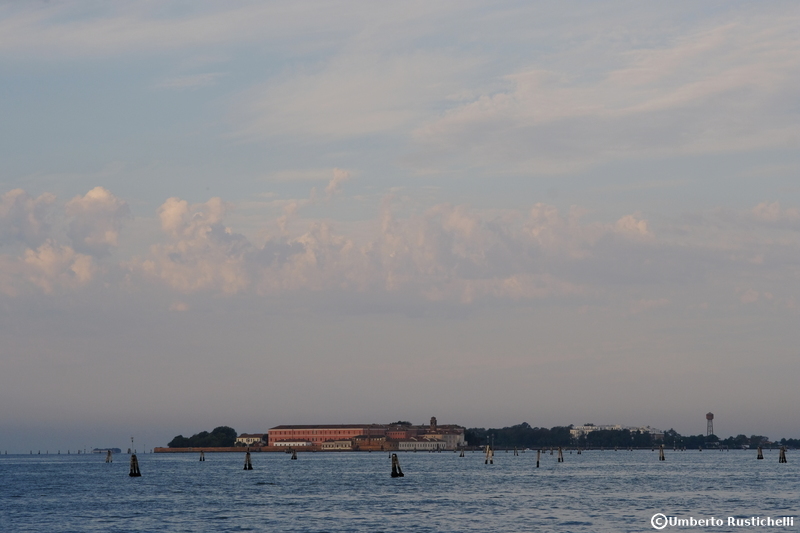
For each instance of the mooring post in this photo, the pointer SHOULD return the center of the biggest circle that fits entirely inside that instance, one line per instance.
(294, 454)
(700, 448)
(108, 457)
(538, 455)
(760, 453)
(782, 456)
(396, 471)
(560, 455)
(462, 452)
(247, 464)
(489, 456)
(202, 455)
(661, 453)
(134, 467)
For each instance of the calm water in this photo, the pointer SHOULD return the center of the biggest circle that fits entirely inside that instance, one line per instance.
(593, 492)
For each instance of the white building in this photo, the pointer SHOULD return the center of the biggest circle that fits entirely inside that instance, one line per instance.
(292, 443)
(250, 439)
(453, 439)
(578, 431)
(412, 444)
(342, 444)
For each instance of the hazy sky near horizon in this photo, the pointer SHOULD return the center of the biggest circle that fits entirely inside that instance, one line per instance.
(262, 213)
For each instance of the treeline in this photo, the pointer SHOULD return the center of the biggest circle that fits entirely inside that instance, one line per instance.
(521, 436)
(525, 436)
(673, 438)
(220, 437)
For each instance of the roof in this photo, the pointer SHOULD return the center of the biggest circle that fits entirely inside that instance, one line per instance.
(251, 435)
(328, 426)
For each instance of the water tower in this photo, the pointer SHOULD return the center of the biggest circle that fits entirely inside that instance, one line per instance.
(710, 428)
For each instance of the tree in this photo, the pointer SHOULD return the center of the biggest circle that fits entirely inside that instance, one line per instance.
(220, 437)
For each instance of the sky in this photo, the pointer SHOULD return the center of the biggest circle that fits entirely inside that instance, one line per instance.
(261, 213)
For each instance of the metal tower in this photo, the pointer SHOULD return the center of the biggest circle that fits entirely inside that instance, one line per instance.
(710, 426)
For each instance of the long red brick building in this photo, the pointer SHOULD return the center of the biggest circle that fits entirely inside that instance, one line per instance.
(390, 436)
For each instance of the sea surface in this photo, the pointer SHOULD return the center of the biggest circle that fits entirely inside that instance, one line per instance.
(597, 491)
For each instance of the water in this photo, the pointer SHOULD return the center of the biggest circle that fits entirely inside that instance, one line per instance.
(336, 492)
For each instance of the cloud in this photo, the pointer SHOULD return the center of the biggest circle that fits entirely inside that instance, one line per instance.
(53, 266)
(95, 221)
(632, 225)
(447, 253)
(335, 185)
(202, 253)
(722, 88)
(354, 94)
(773, 214)
(102, 30)
(24, 218)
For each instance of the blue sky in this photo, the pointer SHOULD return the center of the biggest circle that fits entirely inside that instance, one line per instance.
(319, 212)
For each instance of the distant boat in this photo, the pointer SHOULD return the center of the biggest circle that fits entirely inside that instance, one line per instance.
(106, 450)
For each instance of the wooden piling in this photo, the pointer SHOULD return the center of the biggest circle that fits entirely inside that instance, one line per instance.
(202, 455)
(248, 465)
(661, 453)
(108, 457)
(782, 455)
(462, 453)
(294, 454)
(134, 467)
(516, 453)
(489, 456)
(396, 471)
(560, 455)
(760, 453)
(538, 455)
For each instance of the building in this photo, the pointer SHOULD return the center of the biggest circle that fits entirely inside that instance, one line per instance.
(419, 444)
(579, 431)
(333, 445)
(369, 443)
(250, 439)
(291, 443)
(371, 436)
(318, 434)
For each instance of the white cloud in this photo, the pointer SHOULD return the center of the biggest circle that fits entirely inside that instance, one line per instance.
(632, 225)
(356, 94)
(51, 266)
(202, 253)
(95, 221)
(720, 89)
(335, 185)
